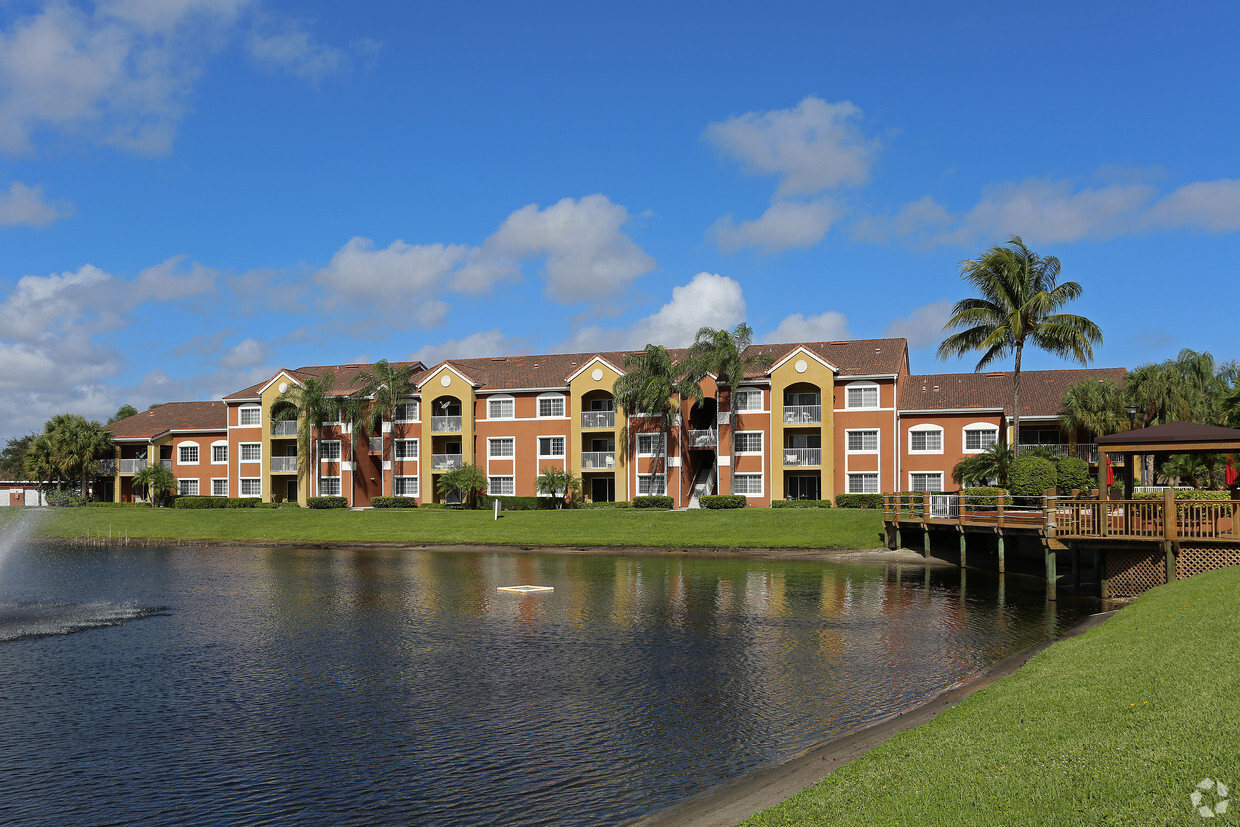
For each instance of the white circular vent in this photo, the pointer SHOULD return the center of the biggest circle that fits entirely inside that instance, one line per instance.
(801, 366)
(597, 374)
(284, 387)
(445, 380)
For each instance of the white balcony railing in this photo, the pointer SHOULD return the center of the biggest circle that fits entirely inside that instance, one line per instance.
(1057, 448)
(131, 466)
(446, 462)
(376, 445)
(284, 465)
(802, 414)
(1087, 452)
(445, 424)
(703, 439)
(598, 459)
(802, 457)
(598, 419)
(106, 467)
(284, 428)
(167, 463)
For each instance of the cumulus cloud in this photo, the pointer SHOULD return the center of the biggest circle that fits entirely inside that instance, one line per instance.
(815, 146)
(784, 225)
(1213, 206)
(491, 342)
(23, 204)
(40, 304)
(398, 280)
(924, 326)
(246, 353)
(707, 300)
(175, 278)
(828, 326)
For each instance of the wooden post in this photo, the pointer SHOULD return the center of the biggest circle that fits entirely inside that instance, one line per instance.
(1001, 563)
(999, 508)
(1169, 551)
(963, 544)
(1048, 512)
(899, 539)
(1051, 576)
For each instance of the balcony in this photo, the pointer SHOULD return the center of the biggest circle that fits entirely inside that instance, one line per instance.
(376, 445)
(284, 465)
(167, 463)
(605, 460)
(802, 414)
(598, 419)
(284, 428)
(703, 439)
(445, 424)
(447, 462)
(802, 457)
(106, 467)
(131, 466)
(1059, 449)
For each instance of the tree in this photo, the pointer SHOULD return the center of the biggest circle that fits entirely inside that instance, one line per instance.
(123, 412)
(315, 404)
(1018, 303)
(467, 482)
(727, 355)
(13, 457)
(39, 461)
(993, 463)
(76, 445)
(385, 386)
(652, 385)
(558, 484)
(156, 481)
(1097, 407)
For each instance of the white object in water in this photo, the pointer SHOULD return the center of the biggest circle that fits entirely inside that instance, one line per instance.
(525, 589)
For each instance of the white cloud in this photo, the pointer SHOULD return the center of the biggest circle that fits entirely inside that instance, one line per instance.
(246, 353)
(708, 300)
(784, 225)
(483, 343)
(828, 326)
(175, 278)
(26, 205)
(40, 304)
(1213, 206)
(398, 280)
(924, 326)
(812, 147)
(298, 52)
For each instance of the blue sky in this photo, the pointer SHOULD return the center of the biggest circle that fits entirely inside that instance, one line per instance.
(194, 193)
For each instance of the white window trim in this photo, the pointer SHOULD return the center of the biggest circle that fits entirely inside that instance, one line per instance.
(219, 443)
(417, 450)
(749, 390)
(241, 412)
(652, 478)
(761, 480)
(541, 455)
(404, 478)
(912, 474)
(491, 440)
(416, 403)
(185, 481)
(925, 429)
(241, 486)
(224, 480)
(241, 452)
(976, 426)
(878, 438)
(878, 396)
(657, 438)
(747, 453)
(339, 484)
(852, 474)
(509, 477)
(339, 454)
(188, 444)
(502, 397)
(538, 405)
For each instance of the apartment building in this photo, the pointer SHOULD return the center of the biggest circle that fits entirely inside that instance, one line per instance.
(824, 418)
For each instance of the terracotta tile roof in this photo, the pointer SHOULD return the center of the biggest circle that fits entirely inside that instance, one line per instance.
(1040, 390)
(347, 377)
(859, 357)
(172, 416)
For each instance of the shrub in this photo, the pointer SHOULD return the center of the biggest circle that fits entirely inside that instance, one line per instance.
(118, 505)
(58, 499)
(1072, 473)
(261, 504)
(859, 500)
(806, 503)
(1031, 475)
(616, 504)
(327, 502)
(983, 496)
(393, 502)
(1184, 495)
(219, 502)
(723, 501)
(516, 503)
(439, 506)
(653, 502)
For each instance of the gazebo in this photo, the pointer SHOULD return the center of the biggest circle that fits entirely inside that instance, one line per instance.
(1171, 438)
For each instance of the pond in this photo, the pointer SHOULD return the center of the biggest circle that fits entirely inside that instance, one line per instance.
(208, 685)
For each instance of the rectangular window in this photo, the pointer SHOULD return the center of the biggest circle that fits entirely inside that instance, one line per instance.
(501, 486)
(979, 439)
(501, 409)
(648, 444)
(252, 415)
(502, 448)
(551, 406)
(551, 446)
(863, 483)
(649, 485)
(750, 400)
(329, 450)
(329, 486)
(747, 442)
(932, 481)
(865, 396)
(928, 441)
(862, 442)
(750, 484)
(251, 487)
(187, 488)
(219, 488)
(406, 486)
(188, 455)
(406, 449)
(407, 411)
(219, 454)
(251, 452)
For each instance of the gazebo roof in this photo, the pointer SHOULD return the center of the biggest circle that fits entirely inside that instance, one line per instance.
(1172, 438)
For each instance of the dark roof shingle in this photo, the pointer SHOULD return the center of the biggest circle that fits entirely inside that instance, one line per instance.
(1041, 391)
(172, 416)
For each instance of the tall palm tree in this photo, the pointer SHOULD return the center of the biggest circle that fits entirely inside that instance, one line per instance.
(467, 482)
(726, 353)
(385, 386)
(1018, 303)
(77, 444)
(156, 481)
(39, 461)
(315, 404)
(652, 385)
(1097, 407)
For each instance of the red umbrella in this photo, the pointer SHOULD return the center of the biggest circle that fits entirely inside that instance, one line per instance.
(1230, 476)
(1110, 472)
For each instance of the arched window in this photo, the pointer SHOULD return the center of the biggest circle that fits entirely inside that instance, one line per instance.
(978, 436)
(925, 439)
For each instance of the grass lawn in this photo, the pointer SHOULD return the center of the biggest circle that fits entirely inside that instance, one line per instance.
(741, 528)
(1114, 727)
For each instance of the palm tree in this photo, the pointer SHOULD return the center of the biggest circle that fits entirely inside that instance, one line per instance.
(1017, 305)
(39, 461)
(558, 484)
(315, 404)
(727, 355)
(652, 385)
(386, 386)
(76, 444)
(156, 481)
(991, 464)
(1097, 407)
(467, 482)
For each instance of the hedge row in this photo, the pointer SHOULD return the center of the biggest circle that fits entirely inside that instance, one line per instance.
(616, 504)
(485, 501)
(984, 496)
(327, 502)
(393, 502)
(807, 503)
(859, 500)
(652, 502)
(1184, 495)
(216, 502)
(723, 501)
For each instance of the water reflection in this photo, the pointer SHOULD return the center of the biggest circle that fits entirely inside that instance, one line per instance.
(389, 686)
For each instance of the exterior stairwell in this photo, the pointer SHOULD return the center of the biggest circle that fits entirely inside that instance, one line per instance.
(703, 484)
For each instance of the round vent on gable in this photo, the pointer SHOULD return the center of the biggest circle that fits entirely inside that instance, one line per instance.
(597, 374)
